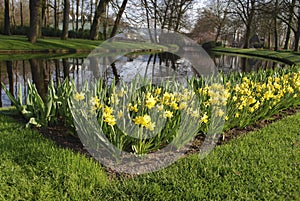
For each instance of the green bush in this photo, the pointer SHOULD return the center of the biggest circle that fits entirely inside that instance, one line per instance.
(210, 45)
(80, 34)
(51, 32)
(20, 30)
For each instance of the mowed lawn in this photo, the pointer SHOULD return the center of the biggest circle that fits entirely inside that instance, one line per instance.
(262, 165)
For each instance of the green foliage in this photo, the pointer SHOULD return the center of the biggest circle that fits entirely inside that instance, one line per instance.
(211, 44)
(129, 113)
(51, 32)
(83, 34)
(126, 113)
(20, 30)
(41, 112)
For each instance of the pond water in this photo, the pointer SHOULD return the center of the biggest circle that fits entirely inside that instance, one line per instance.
(154, 66)
(235, 63)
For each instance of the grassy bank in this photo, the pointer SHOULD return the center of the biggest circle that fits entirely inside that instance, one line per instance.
(21, 44)
(284, 56)
(18, 47)
(262, 165)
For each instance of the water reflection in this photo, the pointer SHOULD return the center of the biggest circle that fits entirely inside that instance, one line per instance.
(234, 63)
(41, 71)
(153, 66)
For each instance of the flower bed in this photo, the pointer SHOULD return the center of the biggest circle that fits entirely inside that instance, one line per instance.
(142, 118)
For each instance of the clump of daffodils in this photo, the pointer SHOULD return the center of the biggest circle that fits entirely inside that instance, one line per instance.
(239, 100)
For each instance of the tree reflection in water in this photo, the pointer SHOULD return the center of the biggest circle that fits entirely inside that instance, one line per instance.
(156, 67)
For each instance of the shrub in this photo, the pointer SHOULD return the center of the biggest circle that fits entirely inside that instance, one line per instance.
(51, 32)
(20, 30)
(211, 44)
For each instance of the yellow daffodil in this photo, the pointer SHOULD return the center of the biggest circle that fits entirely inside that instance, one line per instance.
(150, 102)
(78, 96)
(133, 107)
(168, 114)
(204, 118)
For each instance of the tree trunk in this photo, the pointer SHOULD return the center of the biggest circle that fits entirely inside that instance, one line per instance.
(73, 15)
(9, 70)
(6, 18)
(55, 15)
(64, 35)
(289, 29)
(21, 14)
(82, 15)
(38, 77)
(34, 6)
(287, 39)
(77, 16)
(276, 25)
(96, 21)
(275, 34)
(297, 37)
(104, 22)
(247, 37)
(118, 19)
(148, 19)
(42, 17)
(297, 34)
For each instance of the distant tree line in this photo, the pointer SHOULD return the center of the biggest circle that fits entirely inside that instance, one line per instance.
(104, 15)
(277, 22)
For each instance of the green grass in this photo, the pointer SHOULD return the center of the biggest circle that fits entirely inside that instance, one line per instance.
(21, 43)
(18, 47)
(33, 168)
(284, 56)
(13, 57)
(263, 165)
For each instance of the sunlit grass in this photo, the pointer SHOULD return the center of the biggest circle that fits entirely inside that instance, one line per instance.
(263, 165)
(284, 56)
(23, 49)
(33, 168)
(22, 43)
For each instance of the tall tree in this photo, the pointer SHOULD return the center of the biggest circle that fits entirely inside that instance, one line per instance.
(82, 15)
(34, 7)
(64, 35)
(77, 15)
(118, 18)
(56, 13)
(6, 18)
(246, 10)
(294, 25)
(21, 13)
(290, 17)
(101, 8)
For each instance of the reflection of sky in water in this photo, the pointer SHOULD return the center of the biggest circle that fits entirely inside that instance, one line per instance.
(154, 69)
(128, 67)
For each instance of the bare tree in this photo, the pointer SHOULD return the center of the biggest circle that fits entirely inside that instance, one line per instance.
(34, 6)
(77, 15)
(64, 35)
(290, 17)
(246, 11)
(294, 24)
(21, 13)
(56, 13)
(118, 18)
(101, 8)
(6, 18)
